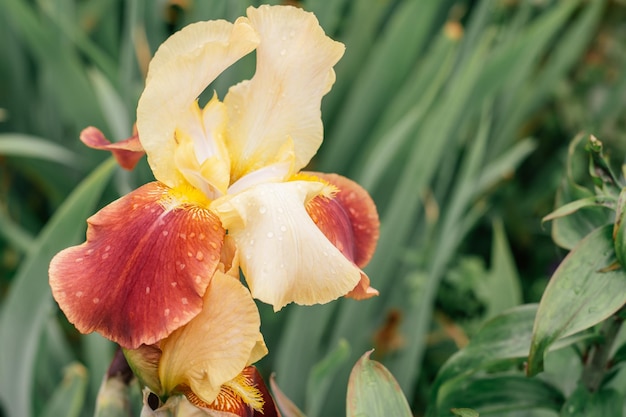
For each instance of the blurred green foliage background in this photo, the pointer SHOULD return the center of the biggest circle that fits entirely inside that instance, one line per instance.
(454, 114)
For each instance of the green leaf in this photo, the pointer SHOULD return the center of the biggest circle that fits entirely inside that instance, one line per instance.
(496, 395)
(582, 403)
(583, 291)
(574, 206)
(27, 146)
(464, 412)
(29, 302)
(568, 231)
(286, 406)
(374, 392)
(503, 340)
(500, 289)
(69, 397)
(322, 375)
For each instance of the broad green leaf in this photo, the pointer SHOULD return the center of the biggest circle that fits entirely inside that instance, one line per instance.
(322, 375)
(603, 403)
(27, 146)
(374, 392)
(495, 395)
(505, 339)
(29, 302)
(68, 399)
(584, 290)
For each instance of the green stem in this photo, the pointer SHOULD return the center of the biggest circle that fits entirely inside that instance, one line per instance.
(597, 363)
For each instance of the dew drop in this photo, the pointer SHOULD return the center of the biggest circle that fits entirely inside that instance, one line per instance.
(251, 242)
(283, 52)
(184, 300)
(166, 312)
(79, 259)
(262, 209)
(165, 233)
(270, 235)
(283, 228)
(174, 284)
(199, 256)
(105, 255)
(79, 294)
(248, 256)
(96, 300)
(198, 279)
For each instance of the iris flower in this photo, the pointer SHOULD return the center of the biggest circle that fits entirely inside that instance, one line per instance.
(229, 168)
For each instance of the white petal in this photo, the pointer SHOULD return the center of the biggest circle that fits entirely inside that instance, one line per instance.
(181, 69)
(284, 255)
(282, 100)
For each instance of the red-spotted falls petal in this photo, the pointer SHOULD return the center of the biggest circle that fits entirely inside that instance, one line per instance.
(142, 273)
(350, 221)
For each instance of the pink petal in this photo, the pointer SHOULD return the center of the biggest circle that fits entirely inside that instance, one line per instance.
(127, 152)
(142, 273)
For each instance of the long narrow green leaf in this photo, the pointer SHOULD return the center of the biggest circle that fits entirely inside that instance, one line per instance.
(68, 399)
(322, 375)
(29, 303)
(28, 146)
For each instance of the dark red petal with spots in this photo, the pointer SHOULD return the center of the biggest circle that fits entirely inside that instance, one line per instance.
(127, 152)
(349, 220)
(144, 268)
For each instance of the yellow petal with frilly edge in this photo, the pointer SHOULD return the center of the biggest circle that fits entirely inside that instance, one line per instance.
(294, 71)
(183, 66)
(216, 345)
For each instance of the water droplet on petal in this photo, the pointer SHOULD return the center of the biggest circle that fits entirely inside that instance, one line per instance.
(262, 209)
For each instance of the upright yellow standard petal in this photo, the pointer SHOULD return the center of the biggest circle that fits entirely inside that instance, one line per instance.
(216, 345)
(282, 100)
(284, 256)
(183, 66)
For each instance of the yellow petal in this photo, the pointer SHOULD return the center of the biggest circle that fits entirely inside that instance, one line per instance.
(201, 155)
(181, 69)
(216, 345)
(284, 256)
(282, 100)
